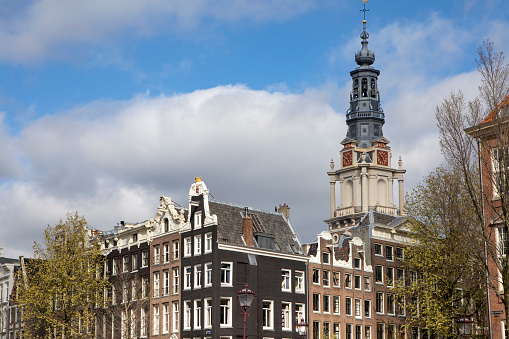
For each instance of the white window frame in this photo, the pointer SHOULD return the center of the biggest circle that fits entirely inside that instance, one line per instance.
(198, 276)
(188, 310)
(299, 282)
(226, 273)
(286, 277)
(208, 313)
(358, 308)
(166, 282)
(175, 318)
(188, 273)
(197, 244)
(157, 255)
(208, 274)
(157, 288)
(348, 312)
(300, 313)
(198, 220)
(176, 280)
(145, 261)
(176, 249)
(225, 309)
(198, 307)
(336, 300)
(326, 297)
(208, 242)
(155, 320)
(187, 247)
(166, 318)
(286, 314)
(268, 315)
(166, 254)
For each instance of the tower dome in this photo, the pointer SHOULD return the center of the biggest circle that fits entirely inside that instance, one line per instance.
(364, 57)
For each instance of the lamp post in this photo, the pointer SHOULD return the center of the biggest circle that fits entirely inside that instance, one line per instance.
(302, 328)
(464, 326)
(245, 296)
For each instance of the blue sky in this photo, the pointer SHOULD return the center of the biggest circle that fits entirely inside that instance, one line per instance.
(105, 106)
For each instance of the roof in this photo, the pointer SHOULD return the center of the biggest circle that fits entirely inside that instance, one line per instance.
(8, 261)
(494, 113)
(381, 219)
(273, 225)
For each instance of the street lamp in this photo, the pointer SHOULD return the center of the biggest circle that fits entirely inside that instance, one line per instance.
(464, 325)
(302, 328)
(245, 296)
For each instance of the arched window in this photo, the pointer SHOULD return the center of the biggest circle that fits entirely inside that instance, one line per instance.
(382, 192)
(166, 225)
(364, 89)
(356, 88)
(373, 88)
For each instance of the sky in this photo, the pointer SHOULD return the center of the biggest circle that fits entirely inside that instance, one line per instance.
(107, 105)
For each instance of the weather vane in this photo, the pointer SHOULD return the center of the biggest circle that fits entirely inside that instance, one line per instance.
(364, 10)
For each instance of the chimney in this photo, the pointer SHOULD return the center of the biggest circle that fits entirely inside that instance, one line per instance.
(247, 228)
(285, 210)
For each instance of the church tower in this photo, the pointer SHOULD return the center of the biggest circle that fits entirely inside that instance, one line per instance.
(366, 178)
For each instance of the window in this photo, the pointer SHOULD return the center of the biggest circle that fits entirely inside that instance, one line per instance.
(156, 320)
(208, 312)
(316, 302)
(176, 316)
(166, 249)
(379, 302)
(316, 330)
(286, 278)
(401, 276)
(187, 277)
(367, 308)
(401, 306)
(299, 281)
(357, 282)
(335, 304)
(316, 276)
(197, 244)
(390, 304)
(413, 277)
(176, 280)
(225, 312)
(187, 247)
(378, 249)
(197, 314)
(357, 263)
(336, 330)
(157, 255)
(187, 314)
(367, 332)
(388, 253)
(144, 286)
(367, 283)
(502, 240)
(166, 225)
(326, 304)
(357, 307)
(326, 258)
(144, 258)
(143, 323)
(208, 274)
(300, 314)
(348, 331)
(166, 318)
(267, 321)
(400, 253)
(497, 165)
(348, 306)
(390, 276)
(379, 275)
(156, 284)
(286, 309)
(226, 271)
(391, 331)
(125, 263)
(335, 279)
(197, 220)
(379, 331)
(176, 246)
(358, 331)
(208, 242)
(134, 262)
(348, 280)
(115, 266)
(166, 282)
(326, 279)
(197, 276)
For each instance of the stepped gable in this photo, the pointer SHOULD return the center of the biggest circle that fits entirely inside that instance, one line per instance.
(230, 219)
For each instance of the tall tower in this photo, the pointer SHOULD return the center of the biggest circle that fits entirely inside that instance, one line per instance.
(365, 176)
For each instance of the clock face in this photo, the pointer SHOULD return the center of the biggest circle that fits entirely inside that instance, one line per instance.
(382, 158)
(347, 159)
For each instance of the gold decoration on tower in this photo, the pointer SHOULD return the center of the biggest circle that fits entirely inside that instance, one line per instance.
(198, 179)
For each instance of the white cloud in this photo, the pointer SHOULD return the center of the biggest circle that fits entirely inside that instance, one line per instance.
(39, 29)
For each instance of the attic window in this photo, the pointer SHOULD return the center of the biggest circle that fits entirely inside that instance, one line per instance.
(265, 242)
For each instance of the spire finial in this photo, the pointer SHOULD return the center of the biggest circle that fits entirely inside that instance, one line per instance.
(364, 9)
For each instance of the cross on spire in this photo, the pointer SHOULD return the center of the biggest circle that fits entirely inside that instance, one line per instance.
(364, 9)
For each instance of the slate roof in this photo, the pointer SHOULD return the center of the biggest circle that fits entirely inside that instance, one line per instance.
(230, 221)
(8, 261)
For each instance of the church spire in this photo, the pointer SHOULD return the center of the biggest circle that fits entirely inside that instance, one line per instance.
(365, 116)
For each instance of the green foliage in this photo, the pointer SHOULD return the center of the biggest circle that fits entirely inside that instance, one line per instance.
(446, 252)
(61, 286)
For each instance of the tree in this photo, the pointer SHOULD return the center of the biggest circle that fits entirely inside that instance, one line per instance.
(480, 159)
(443, 259)
(62, 284)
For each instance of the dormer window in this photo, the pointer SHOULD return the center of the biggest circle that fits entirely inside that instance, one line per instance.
(265, 241)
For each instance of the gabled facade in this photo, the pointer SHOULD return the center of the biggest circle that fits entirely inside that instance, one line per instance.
(8, 312)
